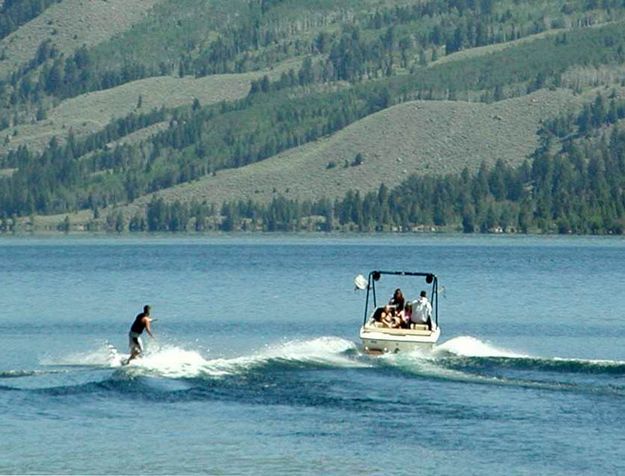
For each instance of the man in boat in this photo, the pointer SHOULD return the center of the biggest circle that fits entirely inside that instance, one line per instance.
(422, 311)
(141, 322)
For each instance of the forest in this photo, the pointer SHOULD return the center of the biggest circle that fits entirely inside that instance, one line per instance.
(350, 65)
(87, 173)
(565, 194)
(578, 189)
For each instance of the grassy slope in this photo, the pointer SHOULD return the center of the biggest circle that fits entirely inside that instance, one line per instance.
(427, 137)
(174, 27)
(171, 27)
(71, 24)
(488, 49)
(93, 111)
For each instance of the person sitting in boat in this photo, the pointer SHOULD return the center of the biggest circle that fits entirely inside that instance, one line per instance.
(394, 322)
(380, 317)
(406, 316)
(422, 311)
(384, 317)
(391, 314)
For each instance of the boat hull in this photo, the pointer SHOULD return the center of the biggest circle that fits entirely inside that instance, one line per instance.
(383, 340)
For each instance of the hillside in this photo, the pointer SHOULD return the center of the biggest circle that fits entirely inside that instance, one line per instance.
(109, 104)
(422, 137)
(91, 112)
(69, 25)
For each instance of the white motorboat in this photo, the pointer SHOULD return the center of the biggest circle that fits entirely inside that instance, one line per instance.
(377, 337)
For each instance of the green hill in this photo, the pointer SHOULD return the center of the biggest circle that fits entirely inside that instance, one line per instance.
(91, 112)
(108, 103)
(422, 137)
(70, 25)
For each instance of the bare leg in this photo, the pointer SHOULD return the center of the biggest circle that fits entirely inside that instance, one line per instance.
(133, 355)
(135, 350)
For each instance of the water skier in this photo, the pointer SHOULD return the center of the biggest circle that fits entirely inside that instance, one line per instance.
(141, 322)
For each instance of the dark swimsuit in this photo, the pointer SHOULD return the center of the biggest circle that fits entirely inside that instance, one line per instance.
(137, 329)
(138, 326)
(398, 303)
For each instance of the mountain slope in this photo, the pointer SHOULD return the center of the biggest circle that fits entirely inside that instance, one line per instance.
(423, 137)
(215, 100)
(91, 112)
(69, 25)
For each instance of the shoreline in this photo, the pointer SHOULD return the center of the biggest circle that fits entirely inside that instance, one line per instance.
(335, 237)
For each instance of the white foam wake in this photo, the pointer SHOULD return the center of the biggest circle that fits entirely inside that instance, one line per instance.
(175, 362)
(430, 362)
(170, 361)
(104, 356)
(330, 351)
(467, 346)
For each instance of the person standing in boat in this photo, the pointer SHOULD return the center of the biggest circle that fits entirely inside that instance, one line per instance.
(141, 323)
(394, 310)
(396, 304)
(422, 311)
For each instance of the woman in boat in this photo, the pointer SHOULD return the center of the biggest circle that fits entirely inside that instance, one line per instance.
(395, 310)
(383, 317)
(406, 316)
(380, 317)
(396, 304)
(391, 314)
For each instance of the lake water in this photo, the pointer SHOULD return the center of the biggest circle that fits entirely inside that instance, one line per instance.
(256, 368)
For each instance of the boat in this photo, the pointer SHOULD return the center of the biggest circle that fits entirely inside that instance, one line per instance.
(377, 339)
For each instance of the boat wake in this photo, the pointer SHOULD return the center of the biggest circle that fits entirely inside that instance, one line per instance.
(172, 361)
(471, 352)
(471, 347)
(292, 364)
(467, 359)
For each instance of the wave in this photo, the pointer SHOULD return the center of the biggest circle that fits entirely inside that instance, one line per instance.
(464, 353)
(172, 372)
(172, 361)
(169, 371)
(471, 347)
(471, 352)
(105, 355)
(469, 360)
(20, 373)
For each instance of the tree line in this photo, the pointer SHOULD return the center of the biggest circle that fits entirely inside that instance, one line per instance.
(574, 184)
(577, 190)
(199, 140)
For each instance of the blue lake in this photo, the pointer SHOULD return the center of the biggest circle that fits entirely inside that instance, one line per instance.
(256, 367)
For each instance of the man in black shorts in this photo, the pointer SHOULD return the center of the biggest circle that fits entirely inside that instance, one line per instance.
(141, 322)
